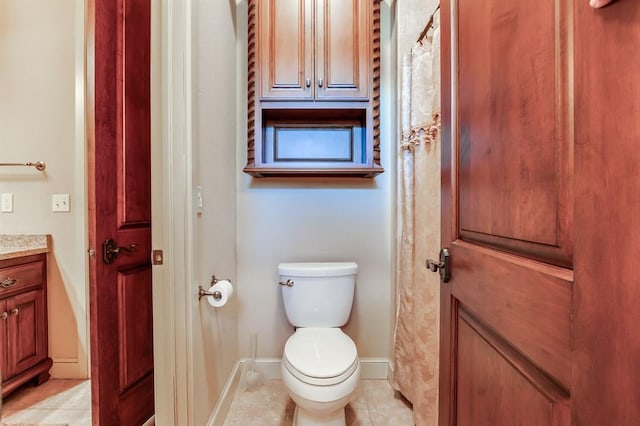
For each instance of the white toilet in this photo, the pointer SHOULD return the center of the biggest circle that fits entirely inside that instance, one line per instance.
(320, 365)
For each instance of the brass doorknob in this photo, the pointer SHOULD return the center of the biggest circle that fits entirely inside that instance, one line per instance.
(111, 250)
(443, 266)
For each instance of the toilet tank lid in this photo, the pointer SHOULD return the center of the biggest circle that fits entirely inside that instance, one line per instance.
(318, 269)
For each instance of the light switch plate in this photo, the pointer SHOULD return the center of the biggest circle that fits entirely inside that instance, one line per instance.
(60, 203)
(6, 203)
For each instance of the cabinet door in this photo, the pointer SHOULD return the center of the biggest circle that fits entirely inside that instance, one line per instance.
(285, 48)
(26, 328)
(343, 52)
(4, 368)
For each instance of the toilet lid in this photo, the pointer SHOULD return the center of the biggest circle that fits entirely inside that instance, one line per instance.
(320, 353)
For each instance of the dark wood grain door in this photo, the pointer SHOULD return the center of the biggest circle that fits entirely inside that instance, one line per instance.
(507, 213)
(120, 210)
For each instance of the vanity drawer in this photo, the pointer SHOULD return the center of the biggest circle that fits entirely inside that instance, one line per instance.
(18, 277)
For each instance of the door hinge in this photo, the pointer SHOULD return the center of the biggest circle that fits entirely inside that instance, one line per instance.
(157, 257)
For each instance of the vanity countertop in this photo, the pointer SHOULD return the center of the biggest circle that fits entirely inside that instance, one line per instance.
(23, 245)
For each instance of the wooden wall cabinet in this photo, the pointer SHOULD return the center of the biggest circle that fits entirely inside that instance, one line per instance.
(23, 322)
(313, 88)
(315, 49)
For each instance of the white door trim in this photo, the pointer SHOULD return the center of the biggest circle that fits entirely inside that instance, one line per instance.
(172, 210)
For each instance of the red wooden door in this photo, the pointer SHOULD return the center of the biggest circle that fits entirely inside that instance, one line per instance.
(120, 210)
(507, 213)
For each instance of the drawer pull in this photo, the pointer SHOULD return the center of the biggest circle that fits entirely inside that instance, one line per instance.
(4, 315)
(8, 282)
(15, 312)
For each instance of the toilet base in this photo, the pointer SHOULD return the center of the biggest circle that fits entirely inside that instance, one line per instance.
(302, 417)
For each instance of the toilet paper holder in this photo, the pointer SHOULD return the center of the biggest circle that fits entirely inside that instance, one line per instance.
(215, 294)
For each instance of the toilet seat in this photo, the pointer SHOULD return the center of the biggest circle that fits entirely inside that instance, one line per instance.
(320, 356)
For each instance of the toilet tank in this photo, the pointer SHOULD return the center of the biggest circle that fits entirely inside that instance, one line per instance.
(320, 294)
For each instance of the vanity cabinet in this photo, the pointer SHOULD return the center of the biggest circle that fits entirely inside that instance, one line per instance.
(313, 88)
(315, 49)
(23, 322)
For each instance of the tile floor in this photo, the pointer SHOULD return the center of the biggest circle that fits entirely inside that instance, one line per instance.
(56, 401)
(376, 404)
(60, 401)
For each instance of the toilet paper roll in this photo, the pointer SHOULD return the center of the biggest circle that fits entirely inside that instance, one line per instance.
(226, 291)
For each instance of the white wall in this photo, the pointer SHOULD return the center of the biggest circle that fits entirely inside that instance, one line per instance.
(215, 331)
(41, 118)
(291, 220)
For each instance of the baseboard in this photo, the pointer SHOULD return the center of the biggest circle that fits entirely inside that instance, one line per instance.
(269, 367)
(63, 368)
(390, 373)
(370, 369)
(226, 397)
(374, 368)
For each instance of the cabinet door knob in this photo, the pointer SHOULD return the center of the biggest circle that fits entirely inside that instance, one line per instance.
(308, 82)
(15, 312)
(4, 315)
(320, 82)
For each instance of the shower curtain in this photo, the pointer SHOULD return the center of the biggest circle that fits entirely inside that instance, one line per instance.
(416, 339)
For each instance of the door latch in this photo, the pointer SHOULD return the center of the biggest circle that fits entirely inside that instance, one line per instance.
(443, 266)
(111, 250)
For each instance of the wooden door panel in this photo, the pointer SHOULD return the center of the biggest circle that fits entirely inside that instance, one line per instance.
(502, 387)
(120, 209)
(285, 48)
(607, 309)
(29, 328)
(135, 325)
(527, 303)
(133, 154)
(507, 213)
(514, 160)
(134, 403)
(343, 32)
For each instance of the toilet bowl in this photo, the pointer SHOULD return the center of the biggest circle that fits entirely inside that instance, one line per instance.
(321, 371)
(320, 366)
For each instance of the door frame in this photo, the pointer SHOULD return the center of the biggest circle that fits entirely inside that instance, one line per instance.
(448, 84)
(171, 210)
